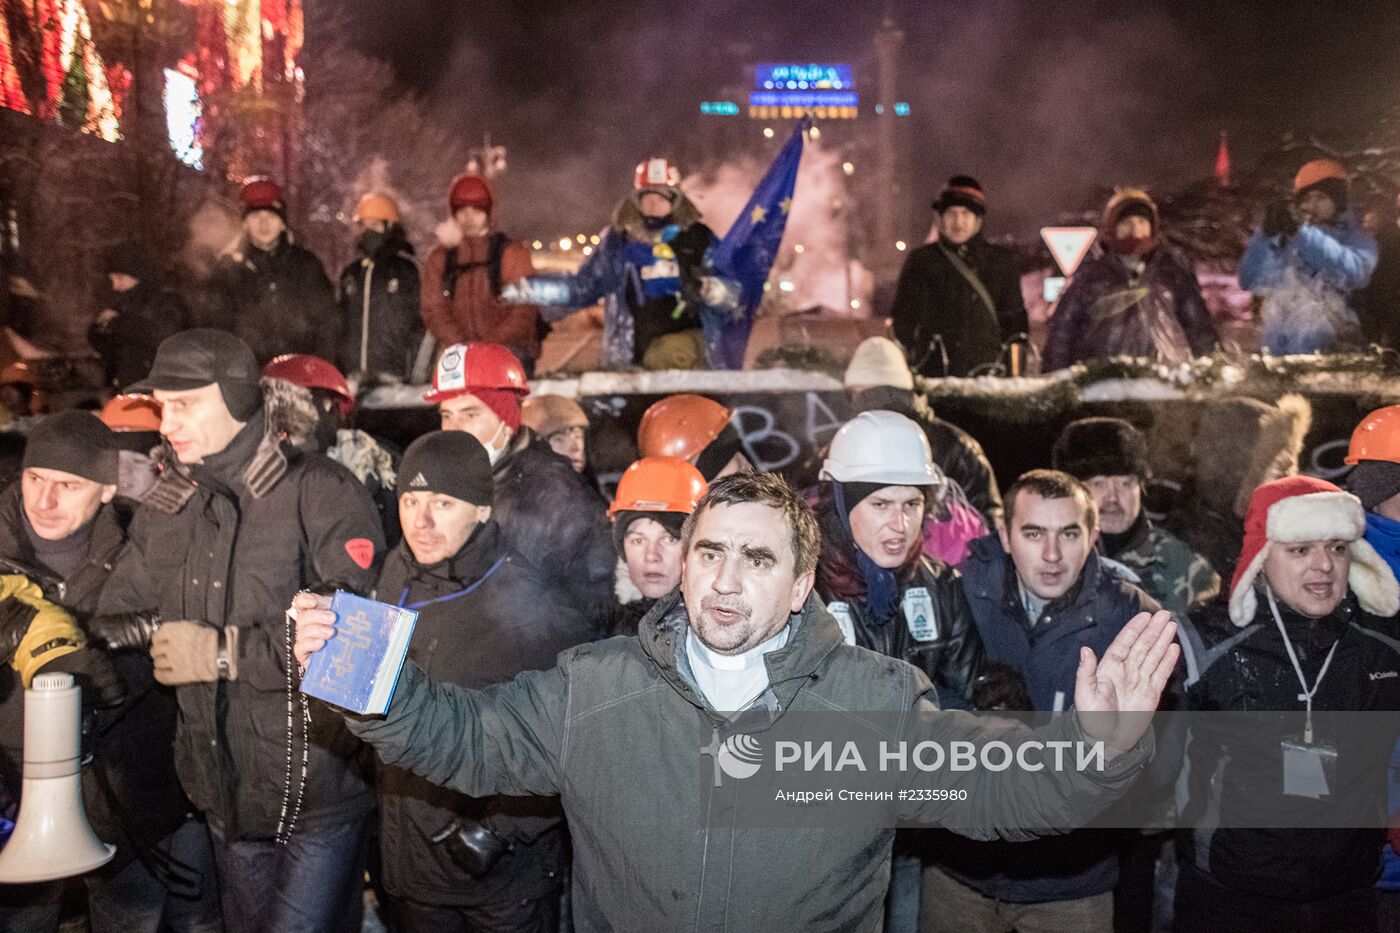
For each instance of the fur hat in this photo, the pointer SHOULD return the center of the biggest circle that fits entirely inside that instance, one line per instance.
(1304, 508)
(1093, 447)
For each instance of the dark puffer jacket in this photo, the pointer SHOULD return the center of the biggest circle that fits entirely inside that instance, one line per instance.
(131, 793)
(1234, 778)
(513, 620)
(250, 534)
(614, 730)
(1107, 310)
(934, 299)
(278, 301)
(554, 519)
(381, 331)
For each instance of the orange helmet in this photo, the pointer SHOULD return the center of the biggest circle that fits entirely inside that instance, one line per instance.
(466, 367)
(131, 413)
(1377, 437)
(311, 372)
(680, 426)
(1318, 170)
(658, 484)
(375, 206)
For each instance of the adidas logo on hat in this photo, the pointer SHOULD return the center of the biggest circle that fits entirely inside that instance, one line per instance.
(419, 480)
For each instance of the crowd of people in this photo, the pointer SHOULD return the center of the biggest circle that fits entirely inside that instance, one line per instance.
(576, 646)
(1323, 277)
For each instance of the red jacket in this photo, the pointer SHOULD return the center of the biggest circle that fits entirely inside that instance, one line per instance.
(467, 309)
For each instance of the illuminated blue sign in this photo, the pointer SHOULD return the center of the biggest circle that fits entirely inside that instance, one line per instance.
(719, 108)
(804, 99)
(799, 77)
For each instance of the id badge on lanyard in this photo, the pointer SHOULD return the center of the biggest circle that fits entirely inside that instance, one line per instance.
(1309, 764)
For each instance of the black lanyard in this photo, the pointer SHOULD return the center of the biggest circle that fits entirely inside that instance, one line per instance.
(442, 599)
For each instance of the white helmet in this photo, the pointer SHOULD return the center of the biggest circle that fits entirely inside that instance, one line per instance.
(881, 447)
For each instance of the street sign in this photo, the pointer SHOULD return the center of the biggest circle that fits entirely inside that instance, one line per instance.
(1069, 245)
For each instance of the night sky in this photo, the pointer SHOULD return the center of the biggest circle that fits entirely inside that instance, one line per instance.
(1043, 101)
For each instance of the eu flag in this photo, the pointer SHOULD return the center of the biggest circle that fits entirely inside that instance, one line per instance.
(747, 251)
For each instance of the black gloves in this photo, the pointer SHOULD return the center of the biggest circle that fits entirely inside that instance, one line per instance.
(127, 630)
(1280, 219)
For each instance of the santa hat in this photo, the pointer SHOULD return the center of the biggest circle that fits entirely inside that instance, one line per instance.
(1304, 508)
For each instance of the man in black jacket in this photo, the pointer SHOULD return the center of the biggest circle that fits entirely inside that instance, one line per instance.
(550, 515)
(59, 539)
(269, 291)
(452, 862)
(141, 315)
(961, 289)
(236, 525)
(1304, 636)
(381, 330)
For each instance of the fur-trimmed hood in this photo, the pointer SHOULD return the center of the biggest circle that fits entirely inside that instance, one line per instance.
(627, 216)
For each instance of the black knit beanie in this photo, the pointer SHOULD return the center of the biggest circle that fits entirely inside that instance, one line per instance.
(452, 463)
(75, 442)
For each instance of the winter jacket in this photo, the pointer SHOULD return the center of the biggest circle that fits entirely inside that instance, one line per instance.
(230, 541)
(484, 615)
(1108, 310)
(614, 730)
(381, 331)
(1168, 570)
(555, 520)
(1305, 281)
(131, 793)
(461, 303)
(949, 652)
(1235, 774)
(933, 298)
(146, 315)
(1092, 613)
(956, 452)
(278, 300)
(613, 275)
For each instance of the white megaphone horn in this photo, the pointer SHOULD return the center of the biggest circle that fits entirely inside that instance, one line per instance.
(52, 838)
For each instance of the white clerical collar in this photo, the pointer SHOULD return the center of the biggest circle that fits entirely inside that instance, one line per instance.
(734, 662)
(731, 682)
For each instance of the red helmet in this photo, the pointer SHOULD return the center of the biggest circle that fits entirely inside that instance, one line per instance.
(656, 173)
(658, 484)
(261, 194)
(465, 367)
(470, 190)
(131, 413)
(311, 372)
(680, 426)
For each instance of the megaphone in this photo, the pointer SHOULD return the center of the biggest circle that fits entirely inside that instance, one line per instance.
(52, 838)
